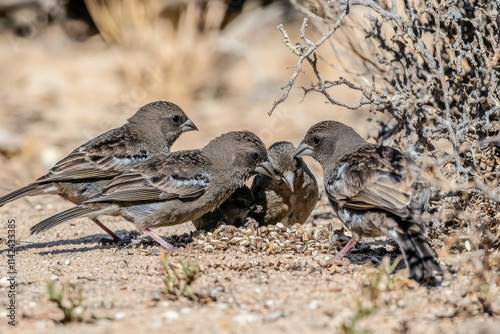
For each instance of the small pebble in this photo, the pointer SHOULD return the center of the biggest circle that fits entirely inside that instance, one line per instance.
(269, 303)
(120, 315)
(247, 318)
(4, 282)
(275, 316)
(313, 305)
(171, 315)
(185, 310)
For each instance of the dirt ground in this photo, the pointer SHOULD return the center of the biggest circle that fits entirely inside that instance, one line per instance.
(56, 93)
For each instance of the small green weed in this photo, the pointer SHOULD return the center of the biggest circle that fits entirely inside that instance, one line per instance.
(69, 299)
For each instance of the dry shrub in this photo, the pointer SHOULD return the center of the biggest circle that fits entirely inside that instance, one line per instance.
(429, 71)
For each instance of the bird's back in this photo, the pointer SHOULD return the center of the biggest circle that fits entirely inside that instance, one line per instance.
(382, 178)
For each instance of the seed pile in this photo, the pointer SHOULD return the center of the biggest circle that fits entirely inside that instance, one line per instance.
(272, 239)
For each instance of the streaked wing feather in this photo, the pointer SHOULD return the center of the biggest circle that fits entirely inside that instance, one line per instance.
(104, 157)
(193, 193)
(185, 185)
(130, 195)
(162, 179)
(373, 182)
(381, 196)
(80, 174)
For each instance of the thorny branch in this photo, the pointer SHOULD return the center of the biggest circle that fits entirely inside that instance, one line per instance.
(435, 74)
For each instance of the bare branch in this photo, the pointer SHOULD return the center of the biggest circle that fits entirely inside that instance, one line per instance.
(494, 196)
(304, 54)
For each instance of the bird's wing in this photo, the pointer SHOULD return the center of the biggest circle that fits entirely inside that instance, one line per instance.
(379, 178)
(104, 157)
(180, 175)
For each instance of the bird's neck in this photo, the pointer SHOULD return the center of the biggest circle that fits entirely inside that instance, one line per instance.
(158, 142)
(340, 152)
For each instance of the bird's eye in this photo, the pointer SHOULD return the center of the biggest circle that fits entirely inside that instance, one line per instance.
(176, 118)
(255, 156)
(316, 140)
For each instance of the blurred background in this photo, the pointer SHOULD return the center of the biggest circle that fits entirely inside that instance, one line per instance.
(70, 70)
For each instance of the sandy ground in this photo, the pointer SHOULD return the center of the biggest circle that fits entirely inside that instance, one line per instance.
(56, 93)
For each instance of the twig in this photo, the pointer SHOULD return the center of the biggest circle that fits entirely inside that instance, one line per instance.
(485, 189)
(305, 53)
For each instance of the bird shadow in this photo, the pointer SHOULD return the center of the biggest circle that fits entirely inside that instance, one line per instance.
(130, 238)
(373, 252)
(93, 242)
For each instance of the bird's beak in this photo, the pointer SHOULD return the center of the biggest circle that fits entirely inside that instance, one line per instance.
(188, 126)
(265, 168)
(303, 149)
(289, 179)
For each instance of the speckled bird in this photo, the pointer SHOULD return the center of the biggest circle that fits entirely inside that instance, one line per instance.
(375, 190)
(83, 174)
(291, 195)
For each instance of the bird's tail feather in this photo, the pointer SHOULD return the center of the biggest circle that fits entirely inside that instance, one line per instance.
(59, 218)
(420, 260)
(31, 189)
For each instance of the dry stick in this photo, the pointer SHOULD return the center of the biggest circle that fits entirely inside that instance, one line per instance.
(303, 54)
(322, 87)
(485, 189)
(494, 139)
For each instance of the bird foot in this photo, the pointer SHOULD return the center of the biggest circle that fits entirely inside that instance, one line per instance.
(169, 248)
